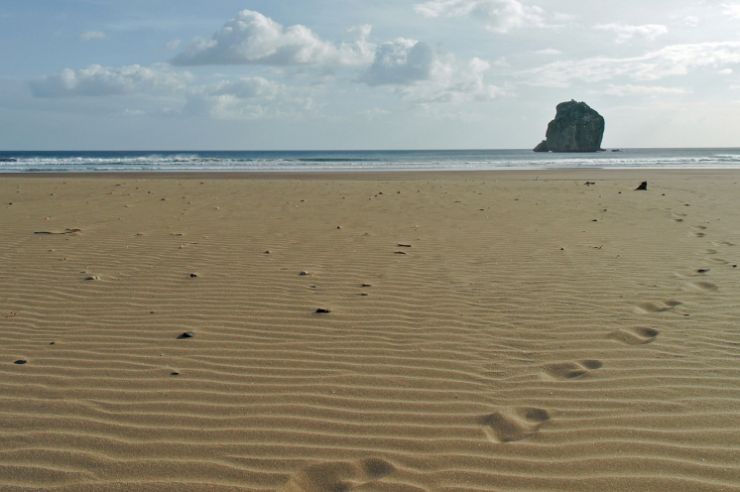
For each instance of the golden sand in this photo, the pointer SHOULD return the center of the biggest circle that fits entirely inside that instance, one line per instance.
(487, 332)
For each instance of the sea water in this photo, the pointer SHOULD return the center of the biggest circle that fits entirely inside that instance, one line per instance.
(349, 161)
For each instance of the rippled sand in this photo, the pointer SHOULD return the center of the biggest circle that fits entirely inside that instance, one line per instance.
(485, 331)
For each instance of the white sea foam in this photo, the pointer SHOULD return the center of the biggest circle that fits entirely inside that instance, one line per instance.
(363, 161)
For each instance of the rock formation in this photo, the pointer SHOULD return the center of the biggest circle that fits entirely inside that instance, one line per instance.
(576, 128)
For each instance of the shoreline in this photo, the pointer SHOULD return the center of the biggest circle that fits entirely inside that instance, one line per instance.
(300, 175)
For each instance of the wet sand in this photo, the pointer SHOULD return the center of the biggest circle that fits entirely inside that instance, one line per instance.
(397, 332)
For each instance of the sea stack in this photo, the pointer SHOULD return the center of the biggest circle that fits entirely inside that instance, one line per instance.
(576, 128)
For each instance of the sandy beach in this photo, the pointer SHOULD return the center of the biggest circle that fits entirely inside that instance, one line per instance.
(480, 331)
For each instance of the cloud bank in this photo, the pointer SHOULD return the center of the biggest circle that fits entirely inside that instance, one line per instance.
(499, 16)
(252, 38)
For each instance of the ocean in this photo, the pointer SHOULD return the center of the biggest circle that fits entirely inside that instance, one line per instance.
(362, 161)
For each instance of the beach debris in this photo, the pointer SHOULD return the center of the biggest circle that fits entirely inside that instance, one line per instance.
(185, 335)
(92, 278)
(339, 227)
(402, 245)
(366, 285)
(364, 294)
(323, 311)
(20, 362)
(400, 252)
(268, 252)
(304, 274)
(194, 275)
(65, 231)
(643, 186)
(174, 373)
(590, 183)
(703, 270)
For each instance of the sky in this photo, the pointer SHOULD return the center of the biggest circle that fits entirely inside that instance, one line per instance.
(358, 74)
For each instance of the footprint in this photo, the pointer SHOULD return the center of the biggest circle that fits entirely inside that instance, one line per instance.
(572, 370)
(704, 286)
(514, 424)
(339, 476)
(651, 307)
(635, 336)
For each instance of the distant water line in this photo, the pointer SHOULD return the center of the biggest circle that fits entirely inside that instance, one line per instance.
(361, 161)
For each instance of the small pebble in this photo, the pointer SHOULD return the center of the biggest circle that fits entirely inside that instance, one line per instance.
(20, 362)
(703, 270)
(194, 275)
(400, 252)
(186, 335)
(304, 274)
(268, 252)
(366, 285)
(323, 311)
(174, 373)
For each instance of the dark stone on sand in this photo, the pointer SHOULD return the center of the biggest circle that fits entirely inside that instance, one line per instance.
(643, 186)
(576, 128)
(174, 373)
(590, 183)
(92, 278)
(185, 335)
(194, 275)
(400, 252)
(268, 252)
(366, 285)
(20, 362)
(402, 245)
(304, 274)
(323, 311)
(703, 270)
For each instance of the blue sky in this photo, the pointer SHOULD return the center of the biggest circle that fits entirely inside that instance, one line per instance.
(322, 74)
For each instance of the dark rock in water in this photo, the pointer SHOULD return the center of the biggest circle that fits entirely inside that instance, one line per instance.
(8, 159)
(186, 335)
(616, 150)
(576, 128)
(542, 147)
(643, 186)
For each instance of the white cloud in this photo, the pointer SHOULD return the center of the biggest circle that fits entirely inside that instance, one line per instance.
(548, 52)
(498, 15)
(247, 98)
(92, 36)
(402, 61)
(691, 21)
(173, 44)
(627, 32)
(643, 90)
(422, 76)
(252, 38)
(731, 10)
(454, 82)
(97, 80)
(672, 60)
